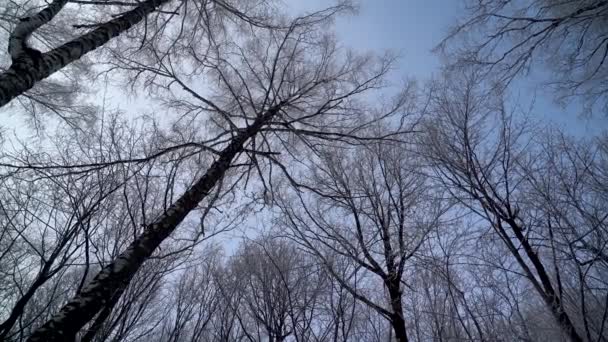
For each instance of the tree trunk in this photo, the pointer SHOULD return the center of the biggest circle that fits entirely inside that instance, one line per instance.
(552, 300)
(399, 327)
(93, 297)
(103, 315)
(17, 41)
(397, 320)
(20, 77)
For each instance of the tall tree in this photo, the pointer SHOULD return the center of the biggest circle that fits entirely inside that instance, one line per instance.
(30, 66)
(483, 172)
(301, 79)
(372, 207)
(282, 288)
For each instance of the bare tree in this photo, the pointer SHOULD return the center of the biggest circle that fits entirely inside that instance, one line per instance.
(61, 225)
(567, 187)
(282, 289)
(414, 218)
(372, 206)
(484, 167)
(302, 79)
(30, 66)
(105, 22)
(192, 301)
(45, 222)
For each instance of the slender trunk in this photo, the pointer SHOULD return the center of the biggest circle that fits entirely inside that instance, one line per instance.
(548, 294)
(19, 307)
(397, 320)
(398, 324)
(17, 41)
(93, 297)
(43, 276)
(20, 77)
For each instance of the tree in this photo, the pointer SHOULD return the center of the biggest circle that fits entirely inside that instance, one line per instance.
(62, 225)
(282, 289)
(504, 39)
(300, 80)
(30, 66)
(406, 217)
(372, 207)
(45, 222)
(484, 167)
(192, 301)
(566, 186)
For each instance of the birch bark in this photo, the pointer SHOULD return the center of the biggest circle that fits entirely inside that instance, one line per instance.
(84, 306)
(23, 75)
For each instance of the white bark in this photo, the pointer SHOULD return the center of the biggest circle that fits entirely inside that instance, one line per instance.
(20, 77)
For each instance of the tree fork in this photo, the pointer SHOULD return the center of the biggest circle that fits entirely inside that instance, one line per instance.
(18, 79)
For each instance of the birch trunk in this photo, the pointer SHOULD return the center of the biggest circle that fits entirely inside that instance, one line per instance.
(84, 306)
(23, 75)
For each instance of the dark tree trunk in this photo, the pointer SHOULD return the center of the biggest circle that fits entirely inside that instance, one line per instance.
(103, 315)
(93, 297)
(397, 320)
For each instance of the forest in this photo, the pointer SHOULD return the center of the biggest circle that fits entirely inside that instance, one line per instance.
(233, 170)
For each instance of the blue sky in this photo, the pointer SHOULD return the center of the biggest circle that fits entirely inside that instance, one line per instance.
(414, 27)
(409, 27)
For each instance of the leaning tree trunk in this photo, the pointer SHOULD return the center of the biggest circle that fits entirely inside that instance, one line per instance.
(103, 316)
(27, 68)
(85, 305)
(547, 291)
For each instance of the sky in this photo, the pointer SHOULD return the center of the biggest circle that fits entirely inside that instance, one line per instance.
(409, 27)
(414, 27)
